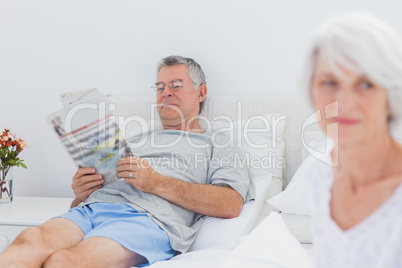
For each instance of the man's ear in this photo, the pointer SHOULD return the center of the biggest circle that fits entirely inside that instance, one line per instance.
(202, 92)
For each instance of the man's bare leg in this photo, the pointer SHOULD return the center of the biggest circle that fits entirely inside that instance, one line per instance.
(35, 244)
(95, 252)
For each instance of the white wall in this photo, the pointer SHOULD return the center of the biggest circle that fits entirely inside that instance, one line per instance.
(48, 47)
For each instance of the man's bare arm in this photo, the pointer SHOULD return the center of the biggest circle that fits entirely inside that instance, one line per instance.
(211, 200)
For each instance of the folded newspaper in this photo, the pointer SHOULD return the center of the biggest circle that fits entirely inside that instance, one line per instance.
(89, 131)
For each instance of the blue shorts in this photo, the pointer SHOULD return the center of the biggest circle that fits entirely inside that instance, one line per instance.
(123, 224)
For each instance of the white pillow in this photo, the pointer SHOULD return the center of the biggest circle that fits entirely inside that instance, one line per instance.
(294, 203)
(260, 137)
(217, 231)
(295, 199)
(299, 226)
(267, 156)
(313, 140)
(269, 245)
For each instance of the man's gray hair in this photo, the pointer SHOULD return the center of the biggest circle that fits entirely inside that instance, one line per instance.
(361, 43)
(195, 72)
(197, 76)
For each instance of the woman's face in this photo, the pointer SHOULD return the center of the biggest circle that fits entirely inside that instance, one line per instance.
(353, 101)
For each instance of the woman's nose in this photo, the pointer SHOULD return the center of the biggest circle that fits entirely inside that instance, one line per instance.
(346, 99)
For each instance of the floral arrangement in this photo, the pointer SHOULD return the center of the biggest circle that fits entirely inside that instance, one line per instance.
(10, 147)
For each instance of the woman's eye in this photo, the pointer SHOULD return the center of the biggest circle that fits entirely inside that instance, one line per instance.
(366, 85)
(329, 84)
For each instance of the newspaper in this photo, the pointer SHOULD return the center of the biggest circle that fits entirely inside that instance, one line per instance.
(89, 131)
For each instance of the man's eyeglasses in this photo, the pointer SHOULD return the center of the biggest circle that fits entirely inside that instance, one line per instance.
(173, 85)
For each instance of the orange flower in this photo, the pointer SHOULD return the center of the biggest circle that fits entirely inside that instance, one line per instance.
(23, 144)
(8, 143)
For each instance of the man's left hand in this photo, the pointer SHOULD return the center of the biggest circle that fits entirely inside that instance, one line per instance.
(137, 172)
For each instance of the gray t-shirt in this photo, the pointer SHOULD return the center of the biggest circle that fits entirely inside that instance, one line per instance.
(183, 155)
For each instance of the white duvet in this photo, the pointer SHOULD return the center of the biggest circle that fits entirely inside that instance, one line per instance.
(270, 244)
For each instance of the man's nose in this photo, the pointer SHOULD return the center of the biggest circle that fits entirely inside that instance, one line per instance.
(167, 92)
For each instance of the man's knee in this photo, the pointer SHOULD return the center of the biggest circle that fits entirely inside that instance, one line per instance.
(62, 258)
(30, 236)
(31, 240)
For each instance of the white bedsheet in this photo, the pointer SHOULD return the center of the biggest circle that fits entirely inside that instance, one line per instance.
(209, 257)
(268, 245)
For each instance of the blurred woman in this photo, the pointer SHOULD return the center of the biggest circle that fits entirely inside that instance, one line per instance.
(353, 74)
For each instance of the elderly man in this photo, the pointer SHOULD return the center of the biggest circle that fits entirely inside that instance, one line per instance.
(154, 212)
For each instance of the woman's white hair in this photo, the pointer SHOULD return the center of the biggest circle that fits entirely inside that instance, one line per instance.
(362, 43)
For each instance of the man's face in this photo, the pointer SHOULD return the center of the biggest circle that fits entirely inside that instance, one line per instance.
(175, 107)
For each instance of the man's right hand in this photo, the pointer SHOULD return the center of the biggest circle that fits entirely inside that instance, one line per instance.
(85, 182)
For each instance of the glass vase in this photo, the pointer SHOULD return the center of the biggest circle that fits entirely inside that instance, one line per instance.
(6, 185)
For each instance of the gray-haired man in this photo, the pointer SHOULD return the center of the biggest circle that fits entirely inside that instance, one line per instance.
(154, 212)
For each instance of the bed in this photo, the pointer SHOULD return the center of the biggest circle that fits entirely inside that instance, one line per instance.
(268, 128)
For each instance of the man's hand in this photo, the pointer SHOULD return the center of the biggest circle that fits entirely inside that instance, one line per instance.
(85, 182)
(138, 172)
